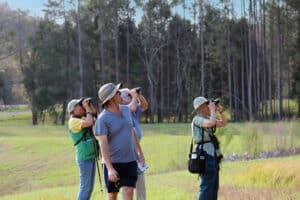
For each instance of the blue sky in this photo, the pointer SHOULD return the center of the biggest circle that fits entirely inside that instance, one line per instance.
(35, 7)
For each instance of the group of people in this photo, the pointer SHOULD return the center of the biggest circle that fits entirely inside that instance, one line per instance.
(115, 133)
(118, 133)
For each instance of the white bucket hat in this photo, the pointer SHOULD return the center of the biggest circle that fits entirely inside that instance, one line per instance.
(124, 92)
(199, 101)
(73, 103)
(108, 91)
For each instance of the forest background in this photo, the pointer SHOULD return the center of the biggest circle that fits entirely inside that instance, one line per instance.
(247, 56)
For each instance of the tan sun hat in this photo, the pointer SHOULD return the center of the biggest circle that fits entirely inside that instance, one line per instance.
(199, 101)
(107, 91)
(73, 103)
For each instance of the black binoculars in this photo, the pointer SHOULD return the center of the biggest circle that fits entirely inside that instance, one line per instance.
(138, 90)
(215, 101)
(88, 99)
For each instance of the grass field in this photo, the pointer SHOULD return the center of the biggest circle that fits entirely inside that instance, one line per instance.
(38, 162)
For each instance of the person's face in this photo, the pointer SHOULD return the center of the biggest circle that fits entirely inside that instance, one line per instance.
(204, 109)
(79, 110)
(117, 98)
(126, 99)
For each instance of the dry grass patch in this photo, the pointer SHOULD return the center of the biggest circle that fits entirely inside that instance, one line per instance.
(242, 193)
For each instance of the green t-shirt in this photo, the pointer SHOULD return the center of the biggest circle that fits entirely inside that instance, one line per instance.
(84, 150)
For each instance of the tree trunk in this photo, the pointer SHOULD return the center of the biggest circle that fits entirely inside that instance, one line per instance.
(178, 83)
(63, 113)
(67, 73)
(236, 94)
(201, 15)
(243, 61)
(168, 92)
(116, 36)
(243, 75)
(101, 49)
(80, 58)
(127, 51)
(264, 63)
(258, 64)
(270, 71)
(34, 116)
(250, 112)
(279, 86)
(20, 52)
(161, 90)
(229, 74)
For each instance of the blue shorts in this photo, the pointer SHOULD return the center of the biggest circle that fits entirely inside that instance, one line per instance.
(127, 173)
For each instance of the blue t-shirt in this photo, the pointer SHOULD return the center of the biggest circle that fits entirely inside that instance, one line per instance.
(135, 119)
(118, 128)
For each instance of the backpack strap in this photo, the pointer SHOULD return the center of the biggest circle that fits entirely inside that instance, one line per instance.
(213, 139)
(83, 136)
(202, 139)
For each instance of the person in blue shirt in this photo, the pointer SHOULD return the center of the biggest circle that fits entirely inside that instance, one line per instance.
(119, 144)
(141, 106)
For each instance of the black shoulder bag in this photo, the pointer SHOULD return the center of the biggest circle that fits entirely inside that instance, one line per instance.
(196, 162)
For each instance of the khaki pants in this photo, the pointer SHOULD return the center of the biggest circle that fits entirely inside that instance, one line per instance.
(140, 188)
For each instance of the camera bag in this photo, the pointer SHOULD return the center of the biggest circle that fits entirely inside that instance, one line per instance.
(196, 162)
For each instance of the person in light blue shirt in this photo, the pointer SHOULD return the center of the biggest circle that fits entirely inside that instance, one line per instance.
(140, 105)
(204, 123)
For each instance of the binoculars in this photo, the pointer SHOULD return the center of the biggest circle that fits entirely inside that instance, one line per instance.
(88, 99)
(138, 90)
(215, 101)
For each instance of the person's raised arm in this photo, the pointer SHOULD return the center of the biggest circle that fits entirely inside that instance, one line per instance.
(132, 104)
(211, 122)
(223, 121)
(89, 121)
(143, 102)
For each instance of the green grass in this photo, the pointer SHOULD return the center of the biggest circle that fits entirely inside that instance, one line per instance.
(37, 162)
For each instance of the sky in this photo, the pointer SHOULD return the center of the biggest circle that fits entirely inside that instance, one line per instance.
(35, 7)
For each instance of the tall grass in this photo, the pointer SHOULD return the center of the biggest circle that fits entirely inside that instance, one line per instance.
(257, 137)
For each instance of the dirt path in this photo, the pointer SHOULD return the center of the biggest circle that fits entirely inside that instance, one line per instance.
(6, 114)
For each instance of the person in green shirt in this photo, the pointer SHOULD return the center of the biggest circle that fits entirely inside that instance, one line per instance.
(80, 127)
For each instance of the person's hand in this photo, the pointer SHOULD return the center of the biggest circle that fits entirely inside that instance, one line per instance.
(133, 93)
(219, 108)
(141, 159)
(212, 106)
(113, 175)
(85, 104)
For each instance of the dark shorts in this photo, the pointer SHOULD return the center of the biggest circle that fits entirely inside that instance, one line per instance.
(127, 173)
